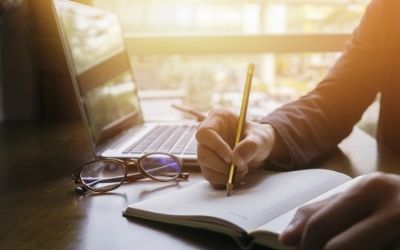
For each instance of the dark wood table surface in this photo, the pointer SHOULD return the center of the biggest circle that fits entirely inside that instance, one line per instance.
(39, 209)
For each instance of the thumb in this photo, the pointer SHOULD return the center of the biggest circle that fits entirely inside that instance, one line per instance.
(245, 152)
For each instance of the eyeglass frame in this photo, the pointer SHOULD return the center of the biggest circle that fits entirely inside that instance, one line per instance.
(82, 188)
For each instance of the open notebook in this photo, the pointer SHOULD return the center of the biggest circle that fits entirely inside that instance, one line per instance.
(258, 211)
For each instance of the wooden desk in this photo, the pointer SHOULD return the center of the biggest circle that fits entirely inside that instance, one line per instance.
(39, 209)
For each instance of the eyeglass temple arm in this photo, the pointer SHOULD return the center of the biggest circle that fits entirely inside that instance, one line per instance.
(129, 178)
(93, 181)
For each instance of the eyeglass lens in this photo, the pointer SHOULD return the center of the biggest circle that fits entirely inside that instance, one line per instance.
(162, 167)
(103, 175)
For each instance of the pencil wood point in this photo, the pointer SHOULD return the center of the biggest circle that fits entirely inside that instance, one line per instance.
(229, 187)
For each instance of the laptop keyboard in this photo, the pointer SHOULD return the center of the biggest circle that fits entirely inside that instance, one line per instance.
(173, 139)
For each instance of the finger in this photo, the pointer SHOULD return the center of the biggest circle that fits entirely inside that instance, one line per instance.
(223, 122)
(379, 225)
(291, 236)
(255, 146)
(239, 175)
(375, 232)
(218, 186)
(212, 160)
(214, 169)
(211, 139)
(216, 179)
(219, 180)
(246, 151)
(335, 218)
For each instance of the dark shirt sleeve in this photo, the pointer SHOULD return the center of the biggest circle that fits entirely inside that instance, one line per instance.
(313, 125)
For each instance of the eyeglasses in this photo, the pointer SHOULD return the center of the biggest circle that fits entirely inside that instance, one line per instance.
(106, 174)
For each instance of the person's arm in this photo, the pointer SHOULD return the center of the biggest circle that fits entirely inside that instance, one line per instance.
(313, 125)
(304, 130)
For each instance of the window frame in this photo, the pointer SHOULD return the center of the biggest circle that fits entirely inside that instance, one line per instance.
(235, 44)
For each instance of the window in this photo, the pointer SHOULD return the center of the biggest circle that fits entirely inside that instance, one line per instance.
(196, 51)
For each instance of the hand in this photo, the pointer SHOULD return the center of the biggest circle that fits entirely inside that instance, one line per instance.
(216, 137)
(365, 217)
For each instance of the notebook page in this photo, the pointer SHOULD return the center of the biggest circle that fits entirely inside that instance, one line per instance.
(276, 226)
(264, 196)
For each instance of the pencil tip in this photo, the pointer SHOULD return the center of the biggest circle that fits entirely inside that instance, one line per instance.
(229, 188)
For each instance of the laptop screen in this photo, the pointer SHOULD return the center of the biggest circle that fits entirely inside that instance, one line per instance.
(100, 68)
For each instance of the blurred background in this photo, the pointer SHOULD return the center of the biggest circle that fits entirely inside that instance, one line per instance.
(190, 52)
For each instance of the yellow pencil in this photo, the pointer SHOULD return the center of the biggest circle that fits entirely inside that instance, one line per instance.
(240, 127)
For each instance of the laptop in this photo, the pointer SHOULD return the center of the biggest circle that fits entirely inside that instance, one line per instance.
(106, 90)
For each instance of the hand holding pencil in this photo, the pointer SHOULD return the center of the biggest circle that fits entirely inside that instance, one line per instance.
(217, 147)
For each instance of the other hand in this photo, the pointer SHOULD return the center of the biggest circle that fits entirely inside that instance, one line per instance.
(216, 137)
(365, 217)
